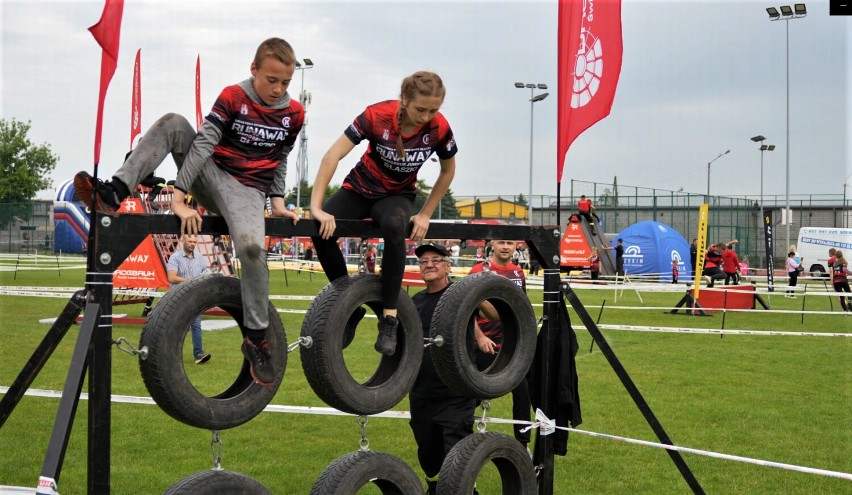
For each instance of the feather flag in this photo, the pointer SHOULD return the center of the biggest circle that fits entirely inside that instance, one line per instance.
(199, 119)
(107, 33)
(589, 56)
(136, 102)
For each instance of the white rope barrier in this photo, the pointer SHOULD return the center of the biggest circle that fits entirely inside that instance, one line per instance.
(640, 328)
(541, 422)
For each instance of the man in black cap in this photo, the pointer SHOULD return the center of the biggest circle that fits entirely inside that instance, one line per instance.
(439, 417)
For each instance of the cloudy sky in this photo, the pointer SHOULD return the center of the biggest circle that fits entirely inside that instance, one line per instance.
(698, 78)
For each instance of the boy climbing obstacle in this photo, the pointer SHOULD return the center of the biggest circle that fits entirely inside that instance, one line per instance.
(237, 158)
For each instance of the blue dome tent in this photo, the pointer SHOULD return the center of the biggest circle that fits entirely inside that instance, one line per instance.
(650, 247)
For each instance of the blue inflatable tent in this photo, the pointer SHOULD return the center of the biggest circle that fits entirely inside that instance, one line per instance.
(70, 220)
(650, 247)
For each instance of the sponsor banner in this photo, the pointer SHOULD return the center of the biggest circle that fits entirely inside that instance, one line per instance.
(574, 250)
(770, 261)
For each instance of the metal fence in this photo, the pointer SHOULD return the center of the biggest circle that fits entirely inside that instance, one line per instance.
(29, 227)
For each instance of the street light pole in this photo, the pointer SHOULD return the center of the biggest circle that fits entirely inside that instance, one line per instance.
(763, 147)
(798, 11)
(533, 99)
(302, 158)
(708, 171)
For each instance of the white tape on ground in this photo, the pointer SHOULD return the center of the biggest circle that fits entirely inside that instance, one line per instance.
(541, 420)
(638, 328)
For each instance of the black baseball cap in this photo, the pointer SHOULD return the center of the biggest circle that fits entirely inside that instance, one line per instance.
(431, 247)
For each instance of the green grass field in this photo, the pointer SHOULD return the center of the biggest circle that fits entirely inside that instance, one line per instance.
(782, 399)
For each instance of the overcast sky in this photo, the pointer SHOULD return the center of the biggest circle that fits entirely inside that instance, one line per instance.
(698, 78)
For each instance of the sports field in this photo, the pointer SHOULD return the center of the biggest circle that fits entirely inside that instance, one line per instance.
(785, 399)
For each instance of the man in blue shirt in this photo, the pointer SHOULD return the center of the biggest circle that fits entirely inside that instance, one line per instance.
(183, 265)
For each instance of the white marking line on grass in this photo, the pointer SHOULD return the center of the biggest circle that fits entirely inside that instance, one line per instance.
(639, 328)
(328, 411)
(734, 310)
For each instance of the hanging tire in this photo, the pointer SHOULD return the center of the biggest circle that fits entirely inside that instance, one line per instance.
(216, 483)
(467, 458)
(452, 321)
(324, 364)
(351, 472)
(164, 334)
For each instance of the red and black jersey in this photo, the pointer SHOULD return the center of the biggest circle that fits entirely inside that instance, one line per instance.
(253, 136)
(584, 205)
(594, 263)
(713, 259)
(494, 329)
(381, 172)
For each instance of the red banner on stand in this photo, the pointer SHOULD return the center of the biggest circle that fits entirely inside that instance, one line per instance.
(589, 54)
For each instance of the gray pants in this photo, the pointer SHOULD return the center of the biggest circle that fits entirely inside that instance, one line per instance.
(221, 194)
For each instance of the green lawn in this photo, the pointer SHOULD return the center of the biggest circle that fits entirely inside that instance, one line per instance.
(782, 399)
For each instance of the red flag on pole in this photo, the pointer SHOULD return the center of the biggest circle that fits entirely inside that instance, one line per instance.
(136, 102)
(198, 118)
(589, 65)
(106, 32)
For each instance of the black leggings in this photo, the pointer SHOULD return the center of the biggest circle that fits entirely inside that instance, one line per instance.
(794, 278)
(843, 286)
(392, 214)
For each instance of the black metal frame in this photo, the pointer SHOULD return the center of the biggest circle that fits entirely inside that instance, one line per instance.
(114, 237)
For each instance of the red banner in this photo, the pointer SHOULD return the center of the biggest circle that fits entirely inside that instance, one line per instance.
(136, 102)
(107, 33)
(198, 118)
(589, 64)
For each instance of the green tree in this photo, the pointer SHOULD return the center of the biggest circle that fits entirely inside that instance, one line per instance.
(447, 208)
(25, 167)
(305, 194)
(521, 199)
(477, 209)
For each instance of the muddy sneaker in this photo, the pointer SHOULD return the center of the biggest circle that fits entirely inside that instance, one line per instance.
(351, 325)
(202, 358)
(260, 362)
(103, 192)
(386, 342)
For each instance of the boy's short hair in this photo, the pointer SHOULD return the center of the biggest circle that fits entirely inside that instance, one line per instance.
(277, 49)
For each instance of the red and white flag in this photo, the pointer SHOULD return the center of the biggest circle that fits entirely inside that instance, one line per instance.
(107, 33)
(136, 102)
(589, 65)
(199, 119)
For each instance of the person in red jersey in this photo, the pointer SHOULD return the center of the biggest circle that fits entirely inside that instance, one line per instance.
(237, 159)
(402, 135)
(586, 209)
(731, 265)
(488, 331)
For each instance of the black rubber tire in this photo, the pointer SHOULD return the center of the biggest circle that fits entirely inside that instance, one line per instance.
(348, 473)
(163, 372)
(217, 483)
(323, 362)
(467, 458)
(452, 320)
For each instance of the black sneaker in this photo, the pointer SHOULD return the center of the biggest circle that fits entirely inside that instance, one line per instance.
(260, 362)
(103, 193)
(351, 325)
(202, 358)
(386, 342)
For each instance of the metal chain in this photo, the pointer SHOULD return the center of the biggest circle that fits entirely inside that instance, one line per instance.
(216, 447)
(364, 444)
(480, 424)
(142, 353)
